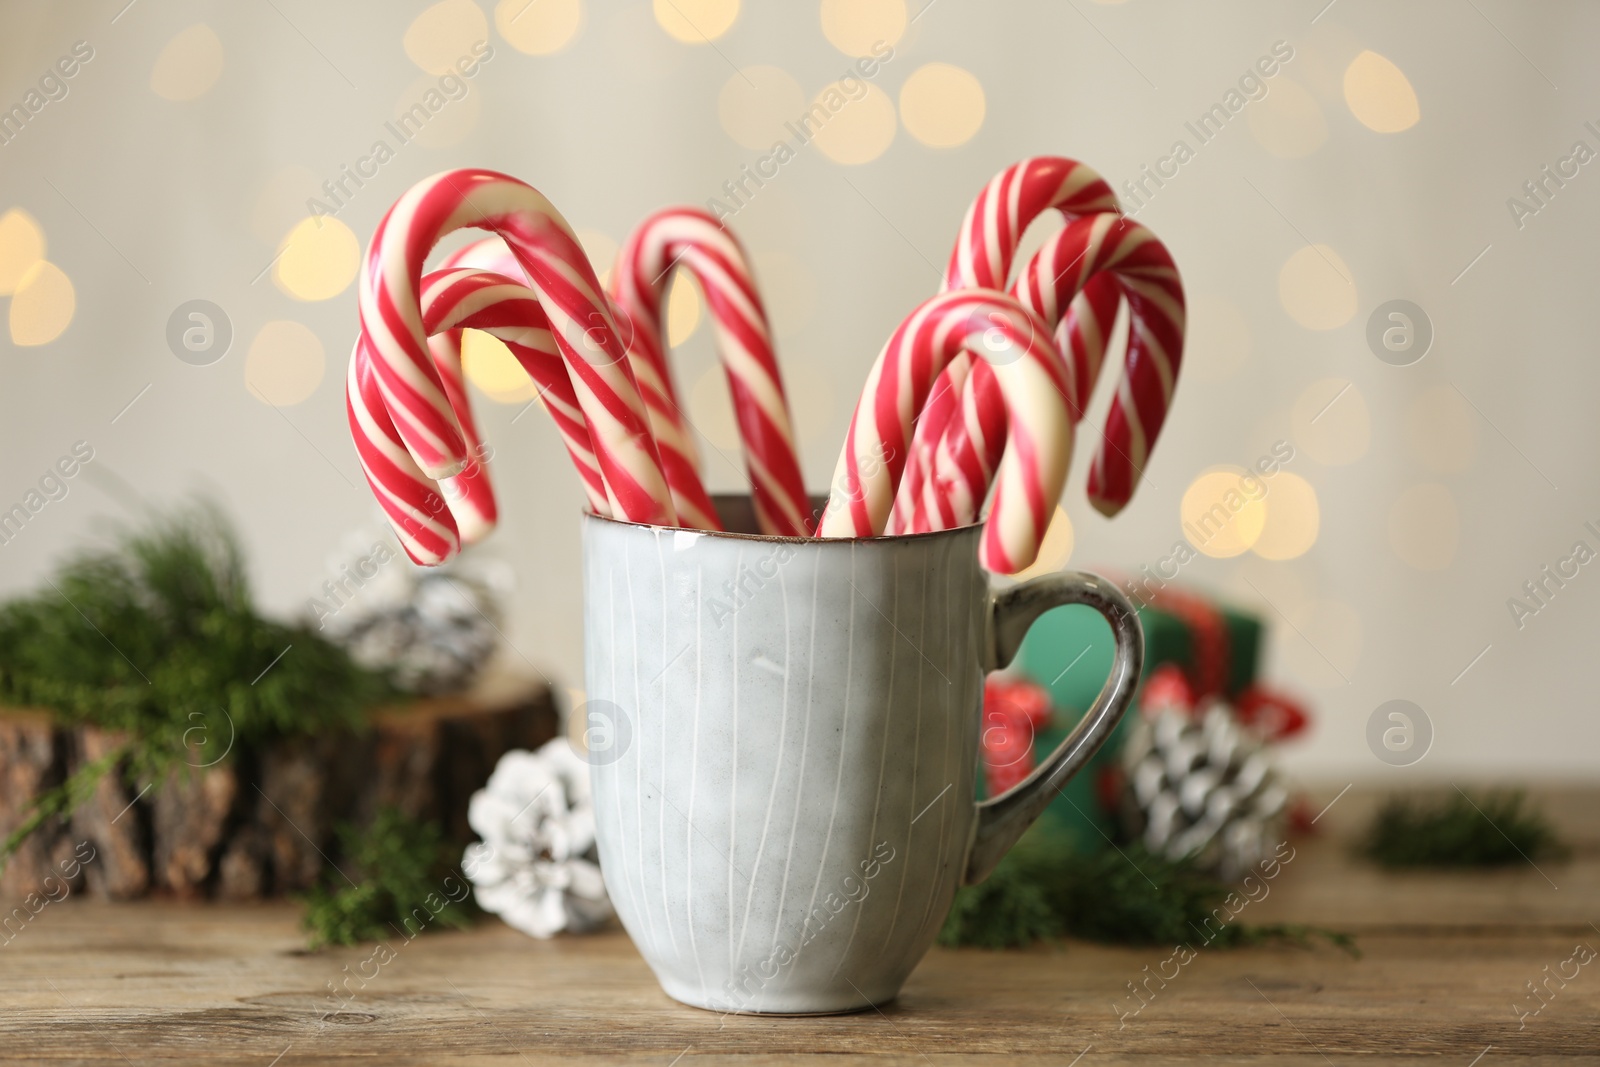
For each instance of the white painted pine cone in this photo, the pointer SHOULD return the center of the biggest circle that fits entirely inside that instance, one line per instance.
(534, 867)
(1205, 788)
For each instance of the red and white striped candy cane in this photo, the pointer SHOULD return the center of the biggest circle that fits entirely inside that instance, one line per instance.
(410, 499)
(473, 501)
(470, 493)
(1157, 320)
(672, 443)
(1059, 275)
(965, 452)
(428, 513)
(1002, 212)
(985, 249)
(453, 300)
(943, 400)
(580, 319)
(962, 462)
(693, 239)
(1032, 378)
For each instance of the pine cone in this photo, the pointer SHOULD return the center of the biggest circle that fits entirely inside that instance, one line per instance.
(1204, 788)
(430, 631)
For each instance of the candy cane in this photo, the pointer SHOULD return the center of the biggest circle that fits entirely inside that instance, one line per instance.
(1033, 379)
(674, 443)
(985, 249)
(580, 318)
(962, 461)
(971, 446)
(471, 496)
(453, 300)
(958, 461)
(1087, 250)
(1150, 280)
(943, 400)
(1002, 212)
(474, 507)
(693, 239)
(409, 498)
(472, 502)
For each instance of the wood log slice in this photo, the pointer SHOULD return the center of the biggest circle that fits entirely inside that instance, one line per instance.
(32, 761)
(189, 813)
(112, 822)
(264, 821)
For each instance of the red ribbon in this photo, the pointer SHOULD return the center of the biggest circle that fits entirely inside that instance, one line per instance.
(1271, 713)
(1209, 633)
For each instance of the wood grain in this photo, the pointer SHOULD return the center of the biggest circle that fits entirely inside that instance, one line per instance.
(1444, 959)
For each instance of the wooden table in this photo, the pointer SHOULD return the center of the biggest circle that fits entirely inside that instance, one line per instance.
(1445, 959)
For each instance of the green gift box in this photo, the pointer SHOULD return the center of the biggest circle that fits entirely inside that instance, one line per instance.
(1068, 652)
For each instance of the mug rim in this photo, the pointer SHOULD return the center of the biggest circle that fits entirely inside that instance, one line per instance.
(876, 539)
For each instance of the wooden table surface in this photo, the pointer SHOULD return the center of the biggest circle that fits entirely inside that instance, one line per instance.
(1446, 964)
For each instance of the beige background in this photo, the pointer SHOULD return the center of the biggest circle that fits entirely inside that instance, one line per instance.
(1419, 499)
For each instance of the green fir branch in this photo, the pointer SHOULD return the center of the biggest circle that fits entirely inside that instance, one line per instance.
(394, 880)
(158, 638)
(1494, 830)
(1046, 889)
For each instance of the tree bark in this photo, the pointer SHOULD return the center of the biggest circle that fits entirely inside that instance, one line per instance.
(32, 760)
(111, 823)
(260, 822)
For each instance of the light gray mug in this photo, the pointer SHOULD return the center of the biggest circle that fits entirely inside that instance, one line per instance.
(784, 734)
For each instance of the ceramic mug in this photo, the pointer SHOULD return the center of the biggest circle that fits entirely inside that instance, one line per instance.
(784, 735)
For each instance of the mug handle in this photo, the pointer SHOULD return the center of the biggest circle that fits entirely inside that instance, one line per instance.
(1002, 819)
